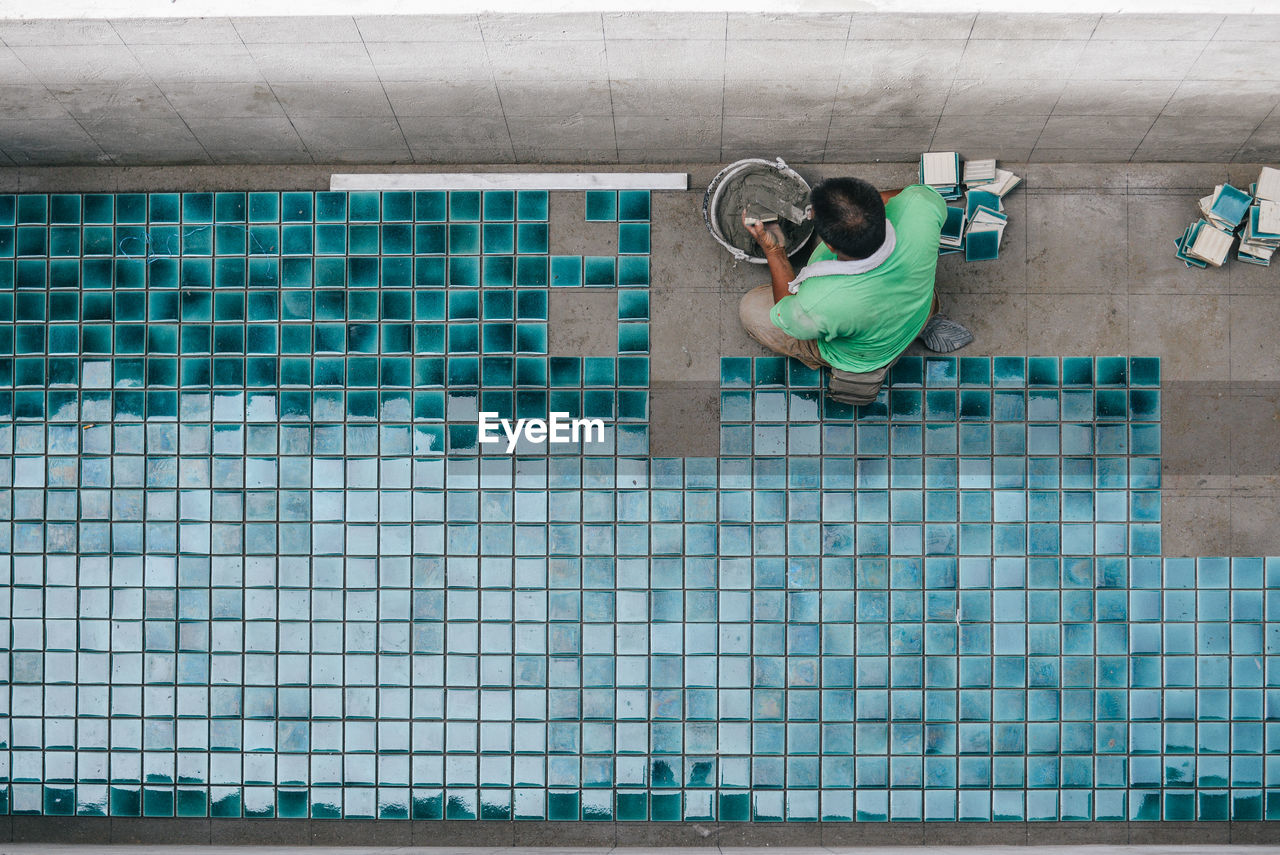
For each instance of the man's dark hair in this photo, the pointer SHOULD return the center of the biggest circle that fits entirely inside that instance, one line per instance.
(848, 214)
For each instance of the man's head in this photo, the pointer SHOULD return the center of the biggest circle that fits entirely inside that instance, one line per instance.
(848, 214)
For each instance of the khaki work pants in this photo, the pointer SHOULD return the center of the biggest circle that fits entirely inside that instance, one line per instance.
(754, 311)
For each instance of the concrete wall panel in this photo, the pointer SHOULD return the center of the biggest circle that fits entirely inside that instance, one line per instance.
(633, 86)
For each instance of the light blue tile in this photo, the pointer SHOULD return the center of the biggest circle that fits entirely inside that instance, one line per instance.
(975, 557)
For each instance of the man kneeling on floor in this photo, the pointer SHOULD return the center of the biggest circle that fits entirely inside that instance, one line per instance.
(866, 292)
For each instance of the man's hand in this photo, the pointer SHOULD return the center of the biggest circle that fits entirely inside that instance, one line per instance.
(774, 244)
(768, 235)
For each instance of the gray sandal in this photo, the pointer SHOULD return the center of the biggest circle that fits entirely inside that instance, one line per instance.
(943, 335)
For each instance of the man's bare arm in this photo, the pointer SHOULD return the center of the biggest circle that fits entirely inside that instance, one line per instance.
(886, 195)
(771, 240)
(780, 271)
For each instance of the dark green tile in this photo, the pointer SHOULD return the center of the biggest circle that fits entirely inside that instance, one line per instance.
(64, 273)
(598, 371)
(199, 273)
(531, 371)
(429, 272)
(633, 305)
(531, 272)
(531, 338)
(602, 205)
(1042, 371)
(499, 238)
(464, 239)
(633, 371)
(531, 205)
(297, 207)
(161, 208)
(296, 273)
(364, 206)
(633, 205)
(499, 205)
(1077, 371)
(131, 208)
(362, 239)
(330, 272)
(225, 272)
(33, 209)
(499, 305)
(31, 273)
(230, 240)
(197, 241)
(100, 208)
(1112, 371)
(264, 273)
(397, 206)
(464, 338)
(464, 205)
(331, 207)
(1009, 371)
(331, 239)
(633, 337)
(397, 239)
(498, 271)
(565, 370)
(32, 241)
(197, 208)
(264, 207)
(975, 371)
(264, 240)
(598, 270)
(1144, 371)
(633, 238)
(430, 206)
(430, 239)
(230, 207)
(531, 238)
(63, 208)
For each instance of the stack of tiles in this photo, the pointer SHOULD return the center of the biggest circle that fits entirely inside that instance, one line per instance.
(1261, 234)
(941, 171)
(1228, 212)
(976, 228)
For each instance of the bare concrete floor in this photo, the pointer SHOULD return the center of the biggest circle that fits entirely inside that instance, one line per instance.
(1086, 269)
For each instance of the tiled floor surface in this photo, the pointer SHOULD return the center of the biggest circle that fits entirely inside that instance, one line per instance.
(1057, 456)
(1086, 269)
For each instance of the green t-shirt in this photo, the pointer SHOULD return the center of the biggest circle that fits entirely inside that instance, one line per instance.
(862, 322)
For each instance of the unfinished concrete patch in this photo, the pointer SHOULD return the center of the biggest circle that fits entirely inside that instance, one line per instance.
(582, 322)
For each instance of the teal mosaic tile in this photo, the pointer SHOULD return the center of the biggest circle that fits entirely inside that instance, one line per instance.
(633, 271)
(633, 205)
(633, 305)
(566, 270)
(531, 205)
(599, 271)
(256, 562)
(601, 205)
(499, 238)
(531, 238)
(633, 238)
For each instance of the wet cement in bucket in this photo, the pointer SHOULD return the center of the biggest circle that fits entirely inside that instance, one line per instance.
(761, 187)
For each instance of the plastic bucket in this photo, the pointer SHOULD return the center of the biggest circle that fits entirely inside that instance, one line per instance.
(761, 181)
